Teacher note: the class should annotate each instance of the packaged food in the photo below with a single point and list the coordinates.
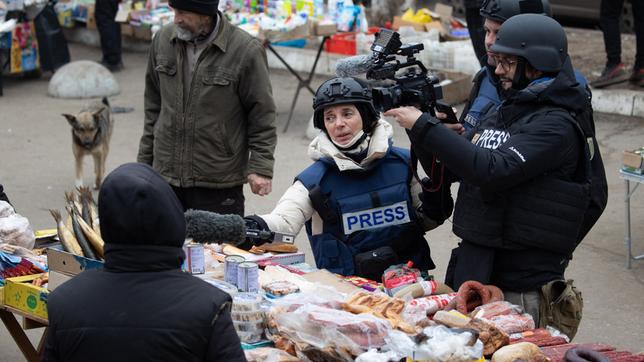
(250, 337)
(254, 316)
(249, 326)
(397, 277)
(246, 302)
(281, 287)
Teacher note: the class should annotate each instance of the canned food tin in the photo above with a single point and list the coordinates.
(248, 277)
(230, 268)
(194, 262)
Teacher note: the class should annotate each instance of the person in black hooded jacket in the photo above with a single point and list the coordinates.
(521, 201)
(3, 196)
(141, 306)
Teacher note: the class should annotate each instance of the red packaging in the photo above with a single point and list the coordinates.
(398, 276)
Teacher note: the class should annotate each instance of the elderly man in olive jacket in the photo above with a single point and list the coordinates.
(209, 110)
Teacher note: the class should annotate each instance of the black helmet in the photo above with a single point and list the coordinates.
(537, 38)
(341, 91)
(502, 10)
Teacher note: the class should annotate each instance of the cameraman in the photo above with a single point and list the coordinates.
(520, 204)
(486, 90)
(362, 208)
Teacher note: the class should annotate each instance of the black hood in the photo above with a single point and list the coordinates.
(562, 91)
(136, 206)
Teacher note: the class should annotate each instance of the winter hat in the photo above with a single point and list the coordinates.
(204, 7)
(137, 206)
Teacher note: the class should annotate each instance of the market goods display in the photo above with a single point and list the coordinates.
(524, 351)
(80, 234)
(15, 228)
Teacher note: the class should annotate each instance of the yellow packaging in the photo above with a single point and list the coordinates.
(19, 293)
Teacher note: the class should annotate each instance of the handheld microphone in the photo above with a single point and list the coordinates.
(205, 226)
(353, 66)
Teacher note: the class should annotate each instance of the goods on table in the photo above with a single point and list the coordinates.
(80, 234)
(492, 337)
(381, 306)
(524, 351)
(14, 228)
(248, 317)
(506, 316)
(281, 288)
(472, 294)
(419, 309)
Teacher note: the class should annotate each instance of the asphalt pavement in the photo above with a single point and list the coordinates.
(37, 168)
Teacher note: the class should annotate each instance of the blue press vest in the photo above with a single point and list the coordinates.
(489, 94)
(370, 208)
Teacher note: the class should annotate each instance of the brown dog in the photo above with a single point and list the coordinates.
(91, 133)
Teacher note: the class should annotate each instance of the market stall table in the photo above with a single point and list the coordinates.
(31, 353)
(637, 179)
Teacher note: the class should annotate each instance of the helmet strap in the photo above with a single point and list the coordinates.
(520, 80)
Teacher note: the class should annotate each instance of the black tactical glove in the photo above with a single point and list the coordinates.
(255, 223)
(437, 205)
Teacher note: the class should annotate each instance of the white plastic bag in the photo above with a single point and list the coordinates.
(15, 230)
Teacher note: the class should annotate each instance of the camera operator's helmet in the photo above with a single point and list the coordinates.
(502, 10)
(537, 38)
(345, 91)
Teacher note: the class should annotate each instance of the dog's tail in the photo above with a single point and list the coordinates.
(105, 102)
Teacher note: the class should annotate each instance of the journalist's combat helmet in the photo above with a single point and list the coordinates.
(502, 10)
(344, 91)
(537, 38)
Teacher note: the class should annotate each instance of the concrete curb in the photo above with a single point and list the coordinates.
(619, 101)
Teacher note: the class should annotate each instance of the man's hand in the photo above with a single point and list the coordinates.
(456, 127)
(405, 116)
(259, 185)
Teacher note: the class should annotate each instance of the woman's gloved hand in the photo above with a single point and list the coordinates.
(255, 223)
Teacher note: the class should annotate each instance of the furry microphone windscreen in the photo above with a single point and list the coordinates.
(205, 226)
(354, 66)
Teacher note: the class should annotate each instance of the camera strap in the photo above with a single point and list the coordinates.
(434, 172)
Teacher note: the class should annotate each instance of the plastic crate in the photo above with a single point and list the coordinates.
(345, 43)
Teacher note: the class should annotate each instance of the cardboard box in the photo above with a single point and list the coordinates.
(324, 29)
(399, 22)
(457, 89)
(64, 266)
(91, 18)
(127, 30)
(445, 12)
(634, 159)
(20, 294)
(142, 32)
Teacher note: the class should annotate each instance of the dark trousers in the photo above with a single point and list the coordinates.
(610, 13)
(477, 34)
(109, 30)
(222, 201)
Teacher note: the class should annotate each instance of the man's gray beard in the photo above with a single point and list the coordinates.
(184, 34)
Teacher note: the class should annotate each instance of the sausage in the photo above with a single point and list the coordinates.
(584, 355)
(470, 295)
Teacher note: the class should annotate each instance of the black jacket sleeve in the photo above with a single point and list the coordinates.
(3, 196)
(542, 145)
(224, 342)
(50, 354)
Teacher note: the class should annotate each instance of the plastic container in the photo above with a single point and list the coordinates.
(256, 326)
(344, 43)
(247, 302)
(254, 316)
(250, 337)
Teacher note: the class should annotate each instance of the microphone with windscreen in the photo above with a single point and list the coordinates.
(210, 227)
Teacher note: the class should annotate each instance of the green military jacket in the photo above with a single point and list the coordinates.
(226, 128)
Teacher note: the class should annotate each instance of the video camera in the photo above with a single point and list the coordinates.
(415, 87)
